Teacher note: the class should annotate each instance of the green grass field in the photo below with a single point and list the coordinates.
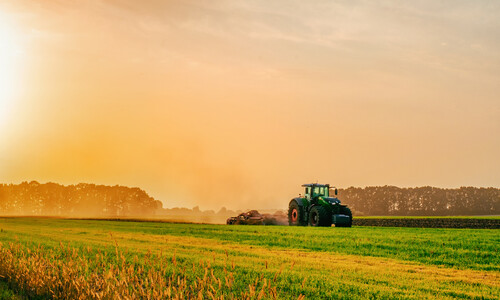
(6, 293)
(219, 261)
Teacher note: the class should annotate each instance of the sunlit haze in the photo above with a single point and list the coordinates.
(238, 103)
(10, 63)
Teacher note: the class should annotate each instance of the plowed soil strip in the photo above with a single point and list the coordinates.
(430, 222)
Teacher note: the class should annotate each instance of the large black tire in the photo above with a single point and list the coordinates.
(296, 214)
(319, 216)
(345, 211)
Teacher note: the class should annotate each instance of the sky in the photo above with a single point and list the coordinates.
(238, 103)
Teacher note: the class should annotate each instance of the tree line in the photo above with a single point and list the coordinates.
(52, 199)
(421, 201)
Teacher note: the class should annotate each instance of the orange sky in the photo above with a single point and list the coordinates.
(237, 103)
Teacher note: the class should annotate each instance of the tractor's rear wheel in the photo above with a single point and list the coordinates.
(346, 211)
(319, 217)
(296, 214)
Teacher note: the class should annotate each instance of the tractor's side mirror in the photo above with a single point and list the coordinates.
(336, 191)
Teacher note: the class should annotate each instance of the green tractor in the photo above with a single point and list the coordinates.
(317, 208)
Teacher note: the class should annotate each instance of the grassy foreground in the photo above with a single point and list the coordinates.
(6, 293)
(104, 259)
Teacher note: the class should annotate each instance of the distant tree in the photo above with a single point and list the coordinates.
(222, 211)
(423, 201)
(83, 199)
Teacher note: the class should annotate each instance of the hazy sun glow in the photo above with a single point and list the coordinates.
(237, 103)
(10, 52)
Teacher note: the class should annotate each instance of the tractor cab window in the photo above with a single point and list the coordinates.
(320, 190)
(316, 190)
(308, 192)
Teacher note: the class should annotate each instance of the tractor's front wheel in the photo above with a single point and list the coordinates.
(295, 214)
(346, 211)
(319, 217)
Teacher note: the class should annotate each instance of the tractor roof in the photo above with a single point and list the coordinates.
(315, 184)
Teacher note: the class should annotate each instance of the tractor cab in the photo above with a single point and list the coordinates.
(315, 190)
